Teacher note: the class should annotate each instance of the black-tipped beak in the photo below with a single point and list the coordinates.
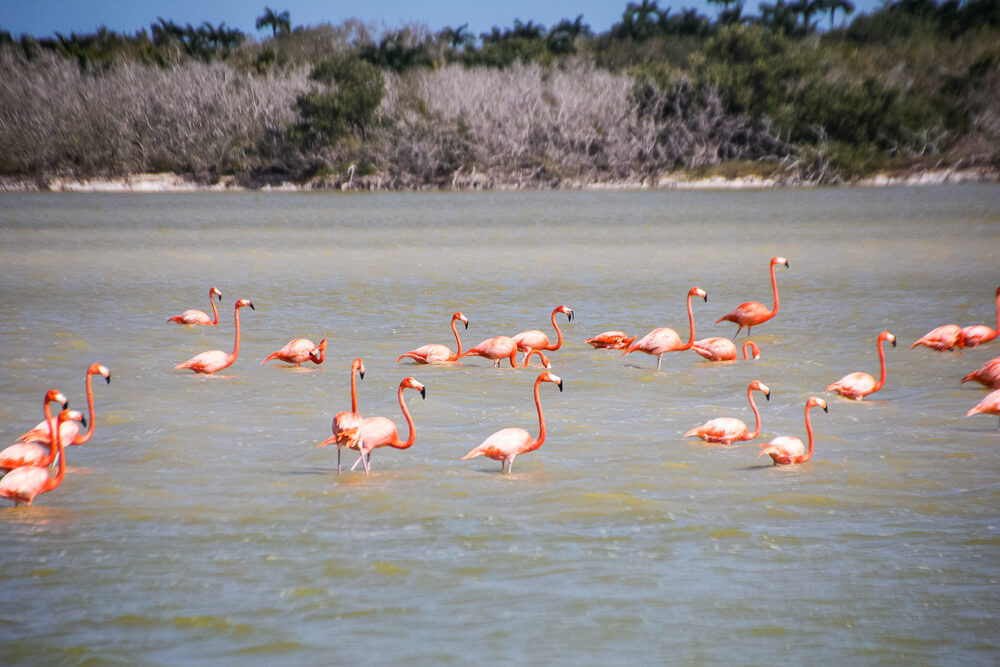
(251, 306)
(706, 298)
(894, 343)
(220, 297)
(65, 404)
(786, 264)
(423, 393)
(560, 385)
(571, 316)
(361, 374)
(824, 409)
(466, 325)
(768, 396)
(83, 420)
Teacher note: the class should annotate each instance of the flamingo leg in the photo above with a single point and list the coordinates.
(659, 359)
(338, 459)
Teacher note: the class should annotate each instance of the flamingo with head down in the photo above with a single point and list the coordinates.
(987, 375)
(376, 432)
(727, 430)
(787, 450)
(663, 340)
(752, 313)
(346, 423)
(944, 337)
(495, 349)
(858, 385)
(30, 453)
(24, 484)
(977, 334)
(533, 339)
(988, 406)
(610, 340)
(298, 351)
(194, 316)
(71, 428)
(723, 349)
(216, 360)
(435, 353)
(507, 444)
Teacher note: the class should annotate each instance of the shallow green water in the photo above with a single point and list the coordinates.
(200, 524)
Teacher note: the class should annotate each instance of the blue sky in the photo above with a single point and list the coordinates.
(44, 17)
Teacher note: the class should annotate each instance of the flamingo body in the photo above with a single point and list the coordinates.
(945, 337)
(376, 432)
(435, 353)
(496, 349)
(213, 361)
(298, 351)
(664, 339)
(789, 450)
(24, 484)
(194, 316)
(71, 434)
(533, 339)
(727, 430)
(751, 313)
(977, 334)
(987, 375)
(988, 406)
(610, 340)
(347, 423)
(858, 385)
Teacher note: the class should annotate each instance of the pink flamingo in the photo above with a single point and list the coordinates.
(31, 453)
(945, 337)
(663, 340)
(215, 360)
(786, 450)
(71, 428)
(987, 375)
(988, 406)
(194, 316)
(378, 432)
(977, 334)
(507, 444)
(610, 340)
(858, 385)
(24, 484)
(36, 454)
(726, 430)
(495, 349)
(751, 313)
(299, 351)
(723, 349)
(533, 339)
(434, 353)
(346, 423)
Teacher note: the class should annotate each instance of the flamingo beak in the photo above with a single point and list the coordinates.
(768, 396)
(706, 298)
(107, 380)
(560, 385)
(894, 342)
(786, 264)
(83, 420)
(251, 306)
(825, 409)
(423, 393)
(466, 325)
(361, 374)
(570, 314)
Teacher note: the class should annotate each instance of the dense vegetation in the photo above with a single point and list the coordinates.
(914, 85)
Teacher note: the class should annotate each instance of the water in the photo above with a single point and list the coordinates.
(201, 525)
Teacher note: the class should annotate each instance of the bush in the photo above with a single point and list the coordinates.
(351, 90)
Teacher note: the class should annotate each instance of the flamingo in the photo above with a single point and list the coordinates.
(977, 334)
(23, 484)
(723, 349)
(751, 313)
(433, 353)
(610, 340)
(987, 375)
(533, 339)
(859, 385)
(376, 432)
(34, 453)
(215, 360)
(785, 449)
(507, 444)
(299, 351)
(945, 337)
(29, 453)
(726, 430)
(663, 340)
(988, 406)
(346, 423)
(495, 349)
(71, 429)
(195, 316)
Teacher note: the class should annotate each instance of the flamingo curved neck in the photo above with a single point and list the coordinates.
(774, 286)
(458, 340)
(690, 342)
(997, 330)
(541, 418)
(47, 461)
(756, 416)
(881, 362)
(809, 431)
(81, 439)
(559, 336)
(236, 343)
(57, 446)
(354, 391)
(215, 311)
(409, 423)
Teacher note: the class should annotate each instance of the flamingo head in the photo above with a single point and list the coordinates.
(245, 302)
(462, 318)
(565, 310)
(56, 395)
(215, 291)
(96, 369)
(547, 376)
(885, 335)
(412, 383)
(316, 354)
(752, 346)
(816, 402)
(761, 387)
(72, 415)
(697, 291)
(779, 260)
(358, 366)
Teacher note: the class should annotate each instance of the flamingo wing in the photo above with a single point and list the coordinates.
(22, 454)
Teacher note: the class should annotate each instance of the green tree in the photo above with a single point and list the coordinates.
(351, 90)
(280, 24)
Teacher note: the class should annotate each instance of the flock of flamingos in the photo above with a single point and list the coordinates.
(27, 462)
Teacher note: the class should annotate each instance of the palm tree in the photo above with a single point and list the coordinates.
(458, 37)
(279, 23)
(833, 5)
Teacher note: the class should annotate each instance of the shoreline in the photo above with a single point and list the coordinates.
(172, 182)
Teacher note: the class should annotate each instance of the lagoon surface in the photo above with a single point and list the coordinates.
(201, 524)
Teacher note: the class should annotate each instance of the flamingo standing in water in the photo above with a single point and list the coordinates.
(858, 385)
(533, 339)
(727, 430)
(299, 351)
(376, 432)
(215, 360)
(346, 423)
(751, 313)
(507, 444)
(988, 406)
(610, 340)
(663, 340)
(195, 316)
(71, 428)
(434, 353)
(24, 484)
(786, 450)
(496, 349)
(36, 454)
(723, 349)
(977, 334)
(31, 453)
(987, 375)
(945, 337)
